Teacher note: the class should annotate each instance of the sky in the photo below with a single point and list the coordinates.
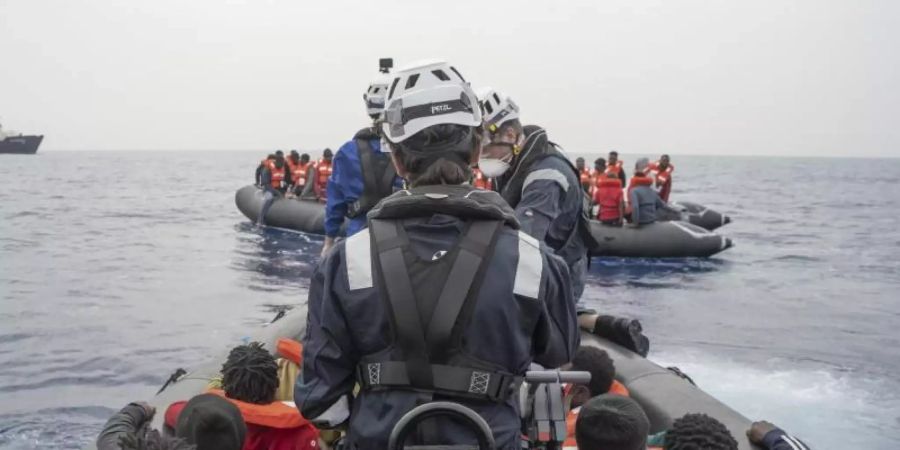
(748, 77)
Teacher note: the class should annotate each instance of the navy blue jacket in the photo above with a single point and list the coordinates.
(524, 313)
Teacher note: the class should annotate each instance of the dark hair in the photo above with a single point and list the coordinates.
(611, 422)
(579, 159)
(250, 374)
(614, 153)
(327, 153)
(152, 440)
(514, 124)
(600, 162)
(601, 368)
(439, 154)
(304, 157)
(279, 153)
(693, 431)
(271, 156)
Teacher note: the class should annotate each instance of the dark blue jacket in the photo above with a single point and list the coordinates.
(345, 187)
(524, 313)
(546, 193)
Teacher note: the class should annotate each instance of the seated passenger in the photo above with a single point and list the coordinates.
(612, 422)
(249, 381)
(274, 184)
(584, 174)
(702, 431)
(608, 197)
(596, 362)
(210, 423)
(643, 200)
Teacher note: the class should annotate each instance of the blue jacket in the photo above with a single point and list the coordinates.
(346, 186)
(524, 313)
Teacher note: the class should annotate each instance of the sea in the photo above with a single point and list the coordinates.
(116, 268)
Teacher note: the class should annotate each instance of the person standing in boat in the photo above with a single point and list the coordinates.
(362, 172)
(299, 167)
(608, 196)
(543, 187)
(416, 307)
(662, 175)
(584, 174)
(615, 167)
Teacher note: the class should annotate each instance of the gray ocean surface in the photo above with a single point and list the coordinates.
(116, 268)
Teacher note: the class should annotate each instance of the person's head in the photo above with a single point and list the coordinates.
(153, 440)
(375, 95)
(613, 157)
(304, 158)
(271, 157)
(611, 422)
(600, 165)
(279, 154)
(327, 154)
(596, 362)
(431, 124)
(579, 163)
(250, 374)
(211, 422)
(295, 156)
(503, 134)
(699, 431)
(641, 165)
(664, 161)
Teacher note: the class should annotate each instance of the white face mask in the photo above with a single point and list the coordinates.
(492, 167)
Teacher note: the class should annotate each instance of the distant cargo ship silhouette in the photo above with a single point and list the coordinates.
(19, 144)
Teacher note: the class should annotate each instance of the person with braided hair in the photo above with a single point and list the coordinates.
(250, 381)
(693, 431)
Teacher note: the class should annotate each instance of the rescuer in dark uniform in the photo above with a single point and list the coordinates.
(441, 297)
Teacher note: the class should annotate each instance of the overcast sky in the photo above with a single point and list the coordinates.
(711, 77)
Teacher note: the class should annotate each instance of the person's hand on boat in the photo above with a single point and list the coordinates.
(623, 331)
(329, 242)
(759, 430)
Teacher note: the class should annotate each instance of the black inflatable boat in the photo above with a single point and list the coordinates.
(672, 239)
(664, 395)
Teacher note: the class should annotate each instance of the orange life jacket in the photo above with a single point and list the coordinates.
(615, 169)
(290, 350)
(323, 173)
(572, 417)
(298, 172)
(607, 195)
(663, 179)
(585, 176)
(273, 415)
(480, 181)
(277, 175)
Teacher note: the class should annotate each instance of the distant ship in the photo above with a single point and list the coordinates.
(20, 144)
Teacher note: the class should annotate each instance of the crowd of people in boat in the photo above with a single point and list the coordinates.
(440, 290)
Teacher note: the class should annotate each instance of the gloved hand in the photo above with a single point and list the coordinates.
(623, 331)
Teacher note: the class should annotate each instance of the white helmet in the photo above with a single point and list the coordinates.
(497, 108)
(428, 93)
(375, 95)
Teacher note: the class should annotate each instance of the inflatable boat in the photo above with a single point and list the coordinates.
(664, 395)
(696, 214)
(672, 239)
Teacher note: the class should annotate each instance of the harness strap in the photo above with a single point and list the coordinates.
(374, 188)
(453, 380)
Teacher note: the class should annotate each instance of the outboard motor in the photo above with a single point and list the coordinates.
(409, 422)
(544, 410)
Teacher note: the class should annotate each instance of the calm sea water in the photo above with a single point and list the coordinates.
(118, 267)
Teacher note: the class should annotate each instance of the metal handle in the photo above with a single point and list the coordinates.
(410, 420)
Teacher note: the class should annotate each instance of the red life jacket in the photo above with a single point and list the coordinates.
(663, 179)
(608, 194)
(277, 175)
(637, 180)
(290, 350)
(479, 181)
(276, 426)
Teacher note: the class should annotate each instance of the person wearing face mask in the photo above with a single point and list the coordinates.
(541, 184)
